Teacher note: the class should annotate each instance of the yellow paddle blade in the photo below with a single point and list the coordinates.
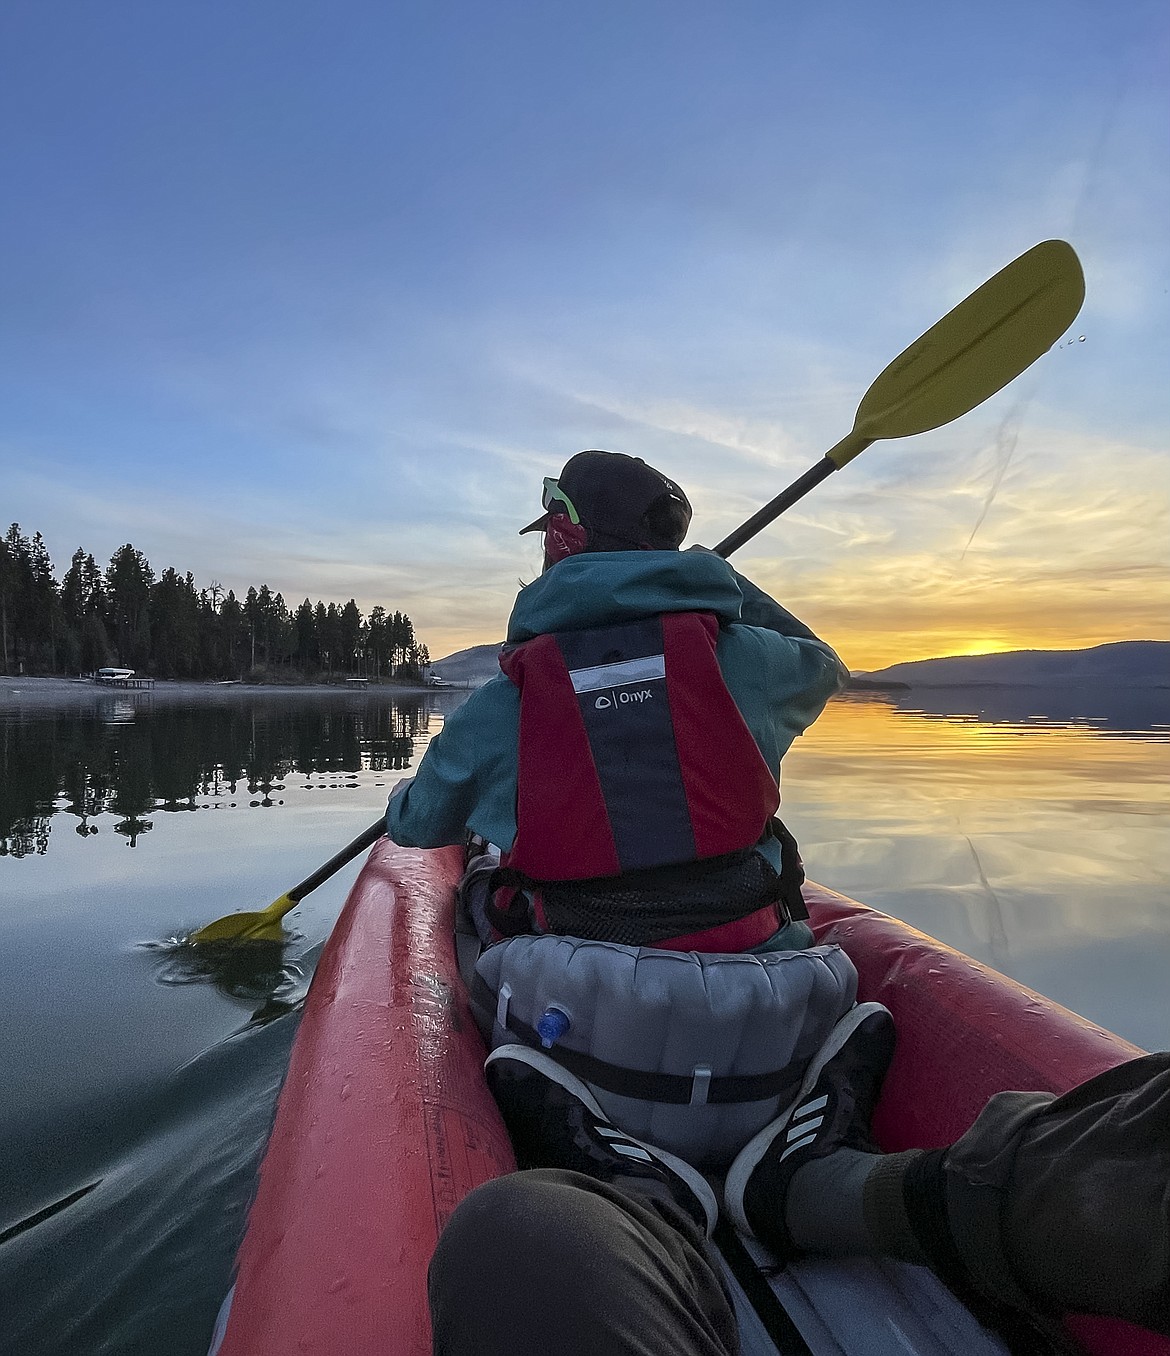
(974, 350)
(264, 925)
(261, 925)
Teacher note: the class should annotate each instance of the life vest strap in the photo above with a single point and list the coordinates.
(738, 898)
(730, 903)
(792, 875)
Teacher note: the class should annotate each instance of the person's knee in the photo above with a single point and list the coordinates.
(516, 1227)
(507, 1235)
(502, 1219)
(550, 1260)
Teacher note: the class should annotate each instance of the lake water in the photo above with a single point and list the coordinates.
(1030, 832)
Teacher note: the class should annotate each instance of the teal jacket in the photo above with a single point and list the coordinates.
(778, 673)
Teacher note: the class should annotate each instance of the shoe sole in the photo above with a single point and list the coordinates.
(549, 1068)
(749, 1156)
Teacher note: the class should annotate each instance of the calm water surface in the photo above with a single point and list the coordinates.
(138, 1090)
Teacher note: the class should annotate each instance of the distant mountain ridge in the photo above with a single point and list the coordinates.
(1122, 663)
(474, 666)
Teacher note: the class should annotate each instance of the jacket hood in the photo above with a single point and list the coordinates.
(606, 587)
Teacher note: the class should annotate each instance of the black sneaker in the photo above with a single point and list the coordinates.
(554, 1121)
(832, 1111)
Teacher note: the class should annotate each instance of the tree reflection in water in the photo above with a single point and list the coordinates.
(173, 758)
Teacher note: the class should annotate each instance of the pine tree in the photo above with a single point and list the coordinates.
(376, 638)
(12, 552)
(234, 631)
(252, 617)
(44, 606)
(349, 627)
(129, 580)
(174, 629)
(83, 611)
(306, 648)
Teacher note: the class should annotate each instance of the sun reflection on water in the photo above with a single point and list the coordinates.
(1037, 845)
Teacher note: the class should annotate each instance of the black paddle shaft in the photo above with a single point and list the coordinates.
(343, 858)
(775, 507)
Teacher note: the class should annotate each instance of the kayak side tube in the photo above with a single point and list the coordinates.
(965, 1031)
(384, 1124)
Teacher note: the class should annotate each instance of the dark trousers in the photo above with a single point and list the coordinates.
(1063, 1203)
(553, 1261)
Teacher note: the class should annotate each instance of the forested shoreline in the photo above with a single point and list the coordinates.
(166, 627)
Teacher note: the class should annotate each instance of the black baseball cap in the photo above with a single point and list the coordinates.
(622, 502)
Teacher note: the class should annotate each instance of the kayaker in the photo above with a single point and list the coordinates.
(647, 698)
(602, 1244)
(626, 761)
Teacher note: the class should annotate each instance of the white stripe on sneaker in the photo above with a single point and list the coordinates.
(804, 1127)
(809, 1107)
(628, 1147)
(792, 1148)
(632, 1151)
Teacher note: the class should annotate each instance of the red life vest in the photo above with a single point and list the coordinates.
(633, 755)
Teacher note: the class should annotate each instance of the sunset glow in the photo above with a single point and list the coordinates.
(323, 313)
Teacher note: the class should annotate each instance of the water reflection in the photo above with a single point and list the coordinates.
(120, 1221)
(133, 760)
(139, 1074)
(1032, 839)
(1139, 712)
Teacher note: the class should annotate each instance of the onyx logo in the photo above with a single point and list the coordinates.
(623, 699)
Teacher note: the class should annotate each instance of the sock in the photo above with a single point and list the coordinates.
(823, 1209)
(925, 1205)
(849, 1204)
(885, 1207)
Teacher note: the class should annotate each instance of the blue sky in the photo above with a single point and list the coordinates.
(315, 294)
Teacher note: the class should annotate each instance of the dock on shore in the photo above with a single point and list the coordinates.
(126, 682)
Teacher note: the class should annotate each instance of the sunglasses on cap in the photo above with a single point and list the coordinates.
(555, 498)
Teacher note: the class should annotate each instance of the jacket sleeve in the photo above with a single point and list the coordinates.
(760, 610)
(467, 776)
(800, 671)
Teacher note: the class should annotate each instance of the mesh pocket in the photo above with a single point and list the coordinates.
(642, 907)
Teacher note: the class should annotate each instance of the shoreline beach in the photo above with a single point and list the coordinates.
(65, 692)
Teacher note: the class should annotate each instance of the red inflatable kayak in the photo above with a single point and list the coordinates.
(385, 1124)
